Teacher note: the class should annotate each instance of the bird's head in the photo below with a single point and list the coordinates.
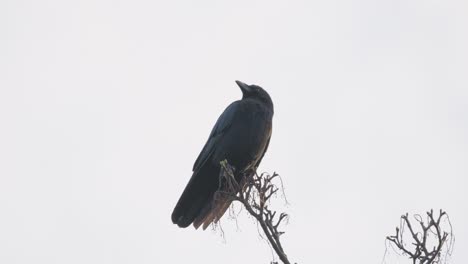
(255, 92)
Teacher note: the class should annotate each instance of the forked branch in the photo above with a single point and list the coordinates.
(427, 238)
(255, 192)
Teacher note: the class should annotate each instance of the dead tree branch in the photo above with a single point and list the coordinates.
(427, 238)
(254, 193)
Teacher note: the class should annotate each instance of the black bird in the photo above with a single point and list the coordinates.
(241, 136)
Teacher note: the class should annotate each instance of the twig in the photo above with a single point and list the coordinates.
(254, 192)
(421, 252)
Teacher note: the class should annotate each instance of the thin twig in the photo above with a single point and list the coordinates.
(420, 252)
(254, 193)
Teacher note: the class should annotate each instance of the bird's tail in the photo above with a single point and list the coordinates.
(217, 206)
(197, 195)
(213, 211)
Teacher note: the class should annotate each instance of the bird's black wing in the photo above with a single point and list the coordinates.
(202, 185)
(222, 125)
(264, 151)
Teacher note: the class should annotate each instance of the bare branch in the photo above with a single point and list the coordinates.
(430, 230)
(254, 193)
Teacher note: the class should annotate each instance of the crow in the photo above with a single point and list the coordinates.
(241, 136)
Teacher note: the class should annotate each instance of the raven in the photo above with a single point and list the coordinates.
(241, 136)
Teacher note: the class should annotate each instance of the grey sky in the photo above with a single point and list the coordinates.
(105, 105)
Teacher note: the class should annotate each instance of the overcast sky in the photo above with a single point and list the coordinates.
(105, 105)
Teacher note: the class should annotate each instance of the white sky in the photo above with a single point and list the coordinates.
(105, 105)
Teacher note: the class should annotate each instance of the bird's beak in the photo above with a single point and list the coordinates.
(244, 87)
